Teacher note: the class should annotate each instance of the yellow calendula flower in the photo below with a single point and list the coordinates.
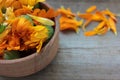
(30, 2)
(38, 37)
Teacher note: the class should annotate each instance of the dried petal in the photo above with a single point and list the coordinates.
(109, 13)
(66, 12)
(101, 25)
(112, 25)
(30, 2)
(91, 9)
(86, 24)
(90, 33)
(72, 24)
(102, 31)
(85, 16)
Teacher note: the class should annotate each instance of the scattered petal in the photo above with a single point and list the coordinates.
(91, 9)
(90, 33)
(106, 18)
(112, 25)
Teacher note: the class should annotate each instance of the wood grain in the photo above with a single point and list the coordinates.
(80, 57)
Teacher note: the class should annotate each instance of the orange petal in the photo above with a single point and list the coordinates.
(16, 5)
(90, 33)
(99, 26)
(91, 9)
(66, 12)
(103, 17)
(3, 46)
(43, 13)
(72, 24)
(68, 26)
(109, 13)
(13, 43)
(86, 24)
(96, 17)
(36, 12)
(102, 31)
(85, 16)
(112, 25)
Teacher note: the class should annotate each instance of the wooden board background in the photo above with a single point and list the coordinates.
(80, 57)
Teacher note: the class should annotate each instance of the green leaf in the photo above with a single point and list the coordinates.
(9, 55)
(50, 31)
(28, 18)
(50, 34)
(2, 28)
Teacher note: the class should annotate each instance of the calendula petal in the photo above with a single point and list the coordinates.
(109, 13)
(91, 9)
(39, 46)
(85, 15)
(40, 0)
(90, 33)
(102, 31)
(66, 12)
(70, 24)
(99, 26)
(86, 24)
(112, 26)
(30, 2)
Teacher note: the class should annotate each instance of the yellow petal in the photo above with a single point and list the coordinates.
(39, 46)
(91, 9)
(30, 2)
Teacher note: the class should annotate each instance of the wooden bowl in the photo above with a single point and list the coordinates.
(34, 62)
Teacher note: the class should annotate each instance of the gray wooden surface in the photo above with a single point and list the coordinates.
(80, 57)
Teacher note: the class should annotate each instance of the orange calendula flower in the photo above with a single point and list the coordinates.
(24, 26)
(30, 37)
(14, 37)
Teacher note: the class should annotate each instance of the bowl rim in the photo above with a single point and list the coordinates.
(29, 57)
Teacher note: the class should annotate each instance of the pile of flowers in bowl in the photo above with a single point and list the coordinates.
(25, 27)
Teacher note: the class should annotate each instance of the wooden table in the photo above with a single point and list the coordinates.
(80, 57)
